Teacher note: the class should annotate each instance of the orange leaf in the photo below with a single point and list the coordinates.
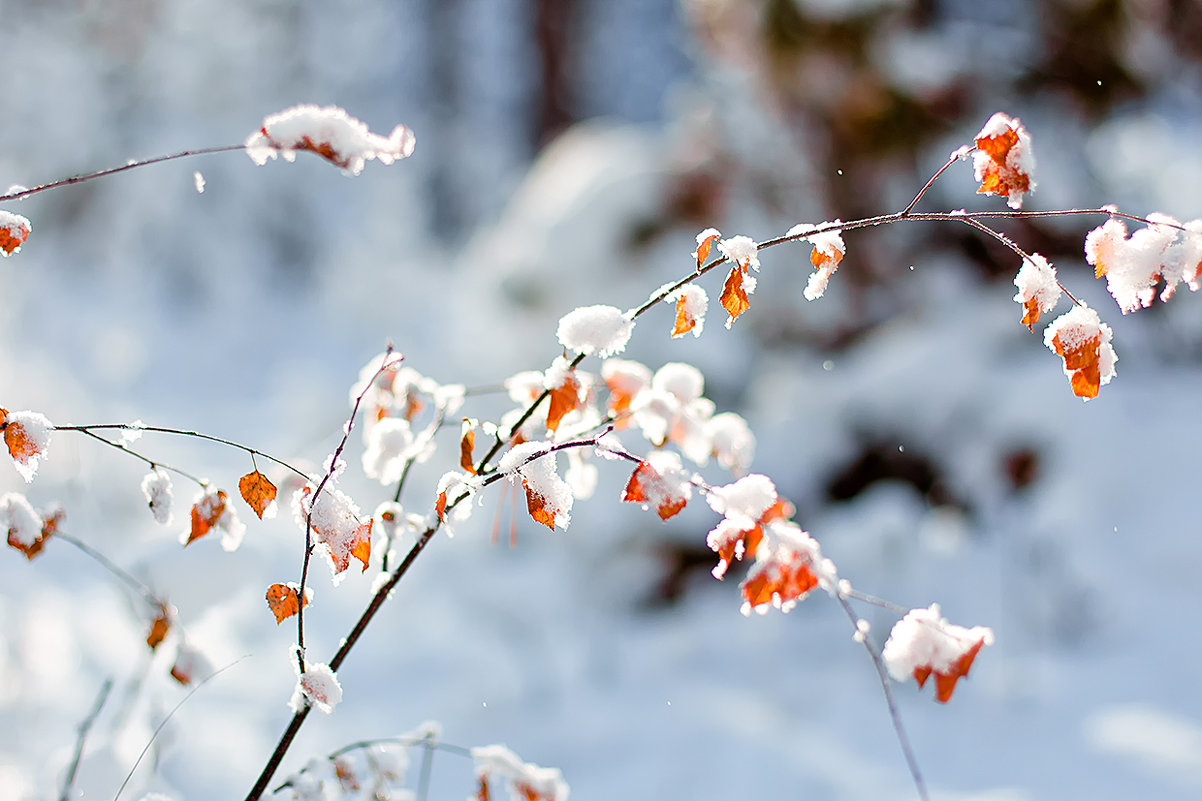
(257, 490)
(440, 506)
(205, 514)
(703, 248)
(50, 525)
(482, 793)
(564, 398)
(1004, 158)
(1083, 361)
(1030, 312)
(466, 443)
(786, 580)
(646, 485)
(945, 681)
(537, 507)
(14, 230)
(685, 322)
(20, 446)
(358, 545)
(283, 601)
(734, 298)
(159, 628)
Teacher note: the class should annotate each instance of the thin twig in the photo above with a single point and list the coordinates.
(118, 571)
(171, 714)
(902, 739)
(91, 430)
(84, 728)
(385, 364)
(132, 165)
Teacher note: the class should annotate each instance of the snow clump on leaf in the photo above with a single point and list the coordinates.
(330, 133)
(156, 486)
(27, 435)
(603, 330)
(923, 642)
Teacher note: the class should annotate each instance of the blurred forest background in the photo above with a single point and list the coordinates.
(567, 153)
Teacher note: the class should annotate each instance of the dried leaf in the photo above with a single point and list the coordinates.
(50, 525)
(945, 681)
(258, 491)
(283, 601)
(14, 230)
(466, 444)
(685, 322)
(734, 298)
(564, 399)
(786, 580)
(206, 513)
(536, 505)
(704, 244)
(646, 485)
(159, 628)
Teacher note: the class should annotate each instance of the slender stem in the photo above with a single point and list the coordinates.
(423, 779)
(170, 715)
(902, 739)
(952, 159)
(138, 586)
(385, 364)
(84, 728)
(132, 165)
(407, 742)
(91, 430)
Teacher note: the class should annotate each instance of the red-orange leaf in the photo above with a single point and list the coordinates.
(258, 491)
(14, 230)
(205, 514)
(734, 298)
(786, 580)
(159, 628)
(537, 507)
(646, 485)
(440, 506)
(945, 681)
(564, 398)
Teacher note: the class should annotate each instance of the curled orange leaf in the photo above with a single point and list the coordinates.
(734, 296)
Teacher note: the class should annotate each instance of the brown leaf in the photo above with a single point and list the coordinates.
(257, 490)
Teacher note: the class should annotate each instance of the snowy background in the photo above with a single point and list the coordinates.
(567, 153)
